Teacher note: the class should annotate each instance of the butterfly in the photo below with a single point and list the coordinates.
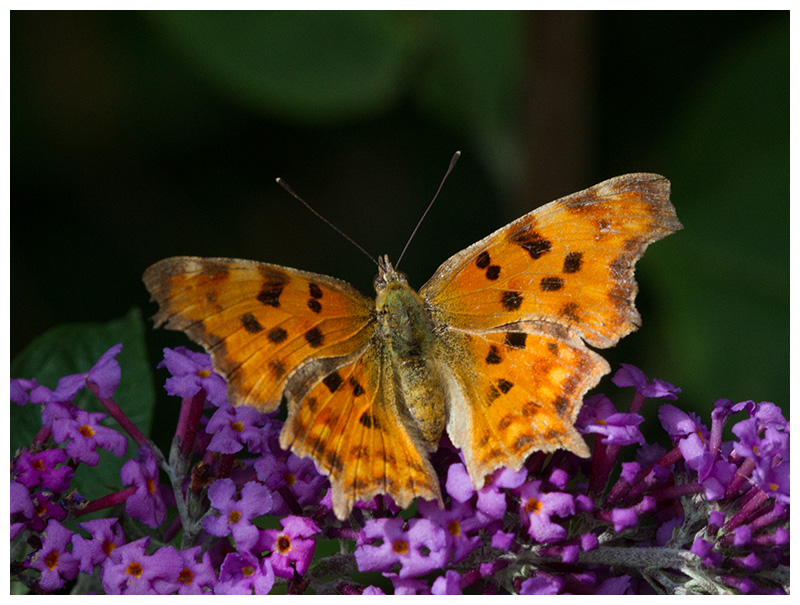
(492, 349)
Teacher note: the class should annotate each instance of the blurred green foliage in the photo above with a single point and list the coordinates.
(136, 136)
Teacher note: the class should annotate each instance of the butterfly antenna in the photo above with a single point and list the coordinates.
(283, 184)
(453, 161)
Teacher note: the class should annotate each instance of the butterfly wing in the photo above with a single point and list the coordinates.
(259, 322)
(275, 333)
(349, 421)
(517, 307)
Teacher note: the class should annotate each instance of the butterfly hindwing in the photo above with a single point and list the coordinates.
(347, 419)
(259, 322)
(520, 393)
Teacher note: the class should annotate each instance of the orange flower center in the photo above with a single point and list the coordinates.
(290, 479)
(135, 570)
(86, 431)
(108, 547)
(248, 571)
(454, 527)
(186, 576)
(400, 547)
(533, 506)
(51, 560)
(151, 486)
(38, 464)
(204, 373)
(237, 426)
(234, 516)
(284, 544)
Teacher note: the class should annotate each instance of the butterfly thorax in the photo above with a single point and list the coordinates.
(406, 331)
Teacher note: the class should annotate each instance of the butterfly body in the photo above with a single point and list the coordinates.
(492, 349)
(406, 329)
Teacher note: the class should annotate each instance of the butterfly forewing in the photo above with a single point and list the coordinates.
(569, 262)
(260, 322)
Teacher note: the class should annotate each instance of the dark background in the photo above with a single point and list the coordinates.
(137, 136)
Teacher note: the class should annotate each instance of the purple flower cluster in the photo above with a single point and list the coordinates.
(238, 515)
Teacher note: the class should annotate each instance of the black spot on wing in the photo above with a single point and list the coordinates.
(516, 340)
(532, 242)
(314, 305)
(511, 300)
(483, 260)
(314, 290)
(314, 337)
(251, 324)
(573, 262)
(277, 335)
(494, 356)
(333, 381)
(552, 283)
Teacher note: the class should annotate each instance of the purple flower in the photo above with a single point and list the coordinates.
(292, 549)
(192, 371)
(447, 584)
(620, 585)
(233, 427)
(242, 573)
(372, 590)
(680, 424)
(627, 518)
(419, 550)
(106, 535)
(20, 390)
(774, 480)
(84, 434)
(503, 540)
(598, 415)
(491, 504)
(541, 584)
(703, 549)
(297, 474)
(456, 523)
(631, 376)
(21, 507)
(770, 415)
(55, 563)
(21, 500)
(43, 468)
(106, 374)
(194, 577)
(407, 586)
(44, 509)
(146, 504)
(236, 513)
(130, 571)
(537, 507)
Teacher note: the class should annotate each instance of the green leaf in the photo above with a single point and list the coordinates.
(310, 66)
(75, 348)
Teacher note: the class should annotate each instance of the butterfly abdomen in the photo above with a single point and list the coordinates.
(406, 329)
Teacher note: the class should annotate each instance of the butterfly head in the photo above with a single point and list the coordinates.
(387, 274)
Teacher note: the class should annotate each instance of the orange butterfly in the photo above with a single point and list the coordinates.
(492, 348)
